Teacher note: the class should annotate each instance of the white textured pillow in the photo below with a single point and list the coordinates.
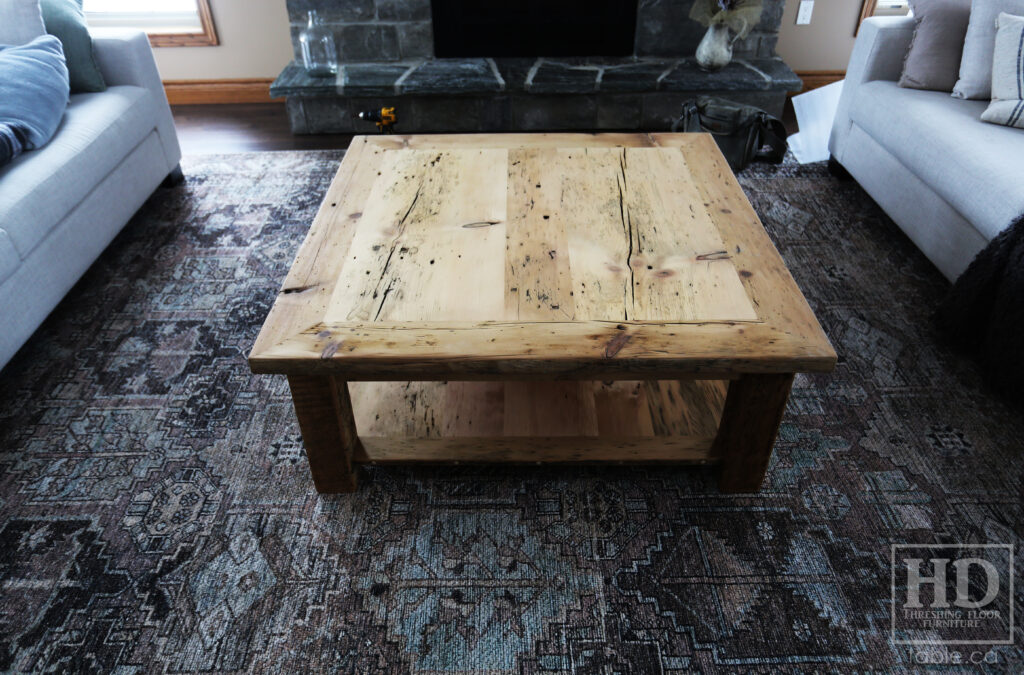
(1007, 105)
(20, 22)
(976, 63)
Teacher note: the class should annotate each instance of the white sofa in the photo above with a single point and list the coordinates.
(950, 181)
(62, 204)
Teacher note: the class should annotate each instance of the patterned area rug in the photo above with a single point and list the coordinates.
(157, 515)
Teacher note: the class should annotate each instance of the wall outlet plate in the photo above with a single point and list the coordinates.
(803, 15)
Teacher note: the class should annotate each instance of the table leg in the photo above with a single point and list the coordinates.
(750, 421)
(324, 409)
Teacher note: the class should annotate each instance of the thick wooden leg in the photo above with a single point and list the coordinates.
(746, 435)
(324, 410)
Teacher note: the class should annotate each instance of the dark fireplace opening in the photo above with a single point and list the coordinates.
(467, 28)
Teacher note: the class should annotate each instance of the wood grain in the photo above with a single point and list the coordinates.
(565, 350)
(536, 450)
(750, 422)
(245, 90)
(543, 408)
(540, 297)
(430, 241)
(206, 37)
(592, 229)
(328, 429)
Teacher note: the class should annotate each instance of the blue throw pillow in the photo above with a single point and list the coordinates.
(33, 95)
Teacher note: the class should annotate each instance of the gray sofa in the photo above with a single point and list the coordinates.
(62, 204)
(950, 181)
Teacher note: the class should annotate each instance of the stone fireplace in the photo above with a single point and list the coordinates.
(522, 65)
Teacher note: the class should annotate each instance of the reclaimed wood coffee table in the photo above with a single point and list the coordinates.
(539, 298)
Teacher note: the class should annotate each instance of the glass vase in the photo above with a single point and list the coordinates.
(319, 55)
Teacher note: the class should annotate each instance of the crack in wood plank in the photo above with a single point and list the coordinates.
(400, 229)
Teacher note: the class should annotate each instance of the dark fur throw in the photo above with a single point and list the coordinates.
(983, 315)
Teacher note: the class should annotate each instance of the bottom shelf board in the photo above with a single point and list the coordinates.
(536, 450)
(562, 408)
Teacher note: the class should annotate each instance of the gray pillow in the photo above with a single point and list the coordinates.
(33, 94)
(20, 22)
(933, 59)
(1007, 105)
(976, 64)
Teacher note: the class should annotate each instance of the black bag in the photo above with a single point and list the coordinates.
(741, 131)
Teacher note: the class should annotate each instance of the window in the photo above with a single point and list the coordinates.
(169, 23)
(882, 8)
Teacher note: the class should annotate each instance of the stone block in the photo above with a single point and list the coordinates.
(295, 81)
(781, 77)
(746, 47)
(452, 76)
(768, 44)
(403, 10)
(514, 71)
(296, 115)
(344, 11)
(371, 79)
(619, 112)
(457, 115)
(661, 109)
(771, 16)
(327, 115)
(688, 76)
(664, 28)
(642, 76)
(367, 42)
(416, 39)
(554, 113)
(553, 77)
(357, 104)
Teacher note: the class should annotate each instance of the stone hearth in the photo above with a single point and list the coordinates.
(386, 53)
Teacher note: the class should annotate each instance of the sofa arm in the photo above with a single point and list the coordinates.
(878, 54)
(125, 58)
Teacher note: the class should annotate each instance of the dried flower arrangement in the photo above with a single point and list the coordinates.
(739, 15)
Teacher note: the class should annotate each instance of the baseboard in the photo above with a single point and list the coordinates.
(252, 90)
(819, 78)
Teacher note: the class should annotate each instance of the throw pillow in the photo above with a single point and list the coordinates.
(976, 65)
(66, 20)
(933, 59)
(1007, 105)
(33, 95)
(20, 22)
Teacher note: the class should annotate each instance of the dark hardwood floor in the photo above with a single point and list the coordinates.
(253, 127)
(244, 127)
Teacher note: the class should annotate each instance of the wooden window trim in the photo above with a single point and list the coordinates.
(866, 10)
(207, 38)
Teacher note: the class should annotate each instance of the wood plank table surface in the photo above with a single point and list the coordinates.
(539, 298)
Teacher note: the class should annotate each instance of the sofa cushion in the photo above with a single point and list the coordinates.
(1008, 74)
(40, 187)
(933, 60)
(976, 64)
(974, 166)
(9, 258)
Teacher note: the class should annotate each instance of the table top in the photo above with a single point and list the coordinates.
(538, 256)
